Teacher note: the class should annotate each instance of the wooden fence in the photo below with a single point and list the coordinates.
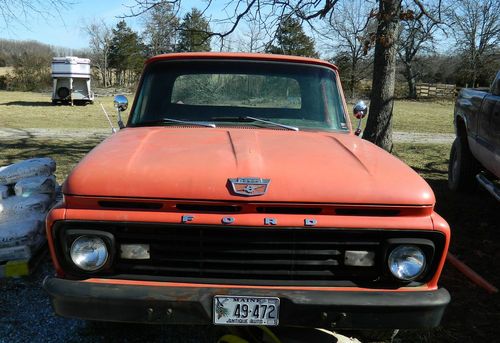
(435, 90)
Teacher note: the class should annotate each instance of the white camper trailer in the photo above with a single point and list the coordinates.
(71, 80)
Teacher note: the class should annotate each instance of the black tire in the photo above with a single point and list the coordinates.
(63, 92)
(462, 167)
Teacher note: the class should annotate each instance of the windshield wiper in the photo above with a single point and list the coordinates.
(170, 120)
(250, 119)
(293, 128)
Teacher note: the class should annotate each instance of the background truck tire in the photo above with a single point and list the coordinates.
(462, 167)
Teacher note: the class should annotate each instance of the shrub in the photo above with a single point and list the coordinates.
(31, 72)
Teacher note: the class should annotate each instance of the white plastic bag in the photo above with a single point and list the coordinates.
(35, 185)
(21, 252)
(10, 174)
(20, 207)
(20, 232)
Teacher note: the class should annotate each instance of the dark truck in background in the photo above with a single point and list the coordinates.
(475, 153)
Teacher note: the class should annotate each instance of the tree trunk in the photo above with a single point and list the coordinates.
(353, 77)
(379, 126)
(105, 70)
(411, 80)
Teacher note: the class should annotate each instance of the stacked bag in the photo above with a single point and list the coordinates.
(27, 192)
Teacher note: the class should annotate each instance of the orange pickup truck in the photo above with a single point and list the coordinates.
(238, 194)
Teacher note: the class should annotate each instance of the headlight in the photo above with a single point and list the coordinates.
(406, 262)
(89, 253)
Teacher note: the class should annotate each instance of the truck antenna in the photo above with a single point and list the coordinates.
(107, 117)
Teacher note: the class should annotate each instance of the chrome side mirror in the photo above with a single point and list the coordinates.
(360, 111)
(121, 104)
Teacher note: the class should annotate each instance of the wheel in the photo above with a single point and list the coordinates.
(63, 92)
(462, 167)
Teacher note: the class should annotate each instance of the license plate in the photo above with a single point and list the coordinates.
(246, 310)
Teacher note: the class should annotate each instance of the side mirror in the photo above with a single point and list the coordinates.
(121, 104)
(360, 111)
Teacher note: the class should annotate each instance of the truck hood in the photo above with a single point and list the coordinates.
(196, 163)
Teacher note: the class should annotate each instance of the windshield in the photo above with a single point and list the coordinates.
(236, 92)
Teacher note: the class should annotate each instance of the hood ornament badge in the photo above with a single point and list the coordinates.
(249, 186)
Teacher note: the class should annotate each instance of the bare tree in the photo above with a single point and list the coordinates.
(160, 29)
(379, 125)
(254, 37)
(100, 40)
(476, 26)
(349, 30)
(20, 11)
(416, 37)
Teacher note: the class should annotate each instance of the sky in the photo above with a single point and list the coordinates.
(65, 29)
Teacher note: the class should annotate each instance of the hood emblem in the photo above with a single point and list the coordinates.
(249, 186)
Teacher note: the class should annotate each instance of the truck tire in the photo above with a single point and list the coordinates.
(462, 167)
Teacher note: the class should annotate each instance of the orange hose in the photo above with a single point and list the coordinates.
(471, 274)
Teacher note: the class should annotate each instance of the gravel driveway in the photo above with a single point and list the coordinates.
(26, 316)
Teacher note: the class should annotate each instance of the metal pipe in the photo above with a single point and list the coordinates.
(471, 274)
(488, 185)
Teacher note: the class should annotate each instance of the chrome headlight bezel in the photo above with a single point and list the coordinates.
(407, 262)
(96, 249)
(68, 238)
(427, 249)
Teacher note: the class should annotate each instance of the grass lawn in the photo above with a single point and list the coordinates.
(23, 110)
(423, 116)
(67, 153)
(419, 116)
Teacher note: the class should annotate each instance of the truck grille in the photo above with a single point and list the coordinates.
(247, 253)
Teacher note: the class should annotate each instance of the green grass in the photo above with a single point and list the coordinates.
(67, 153)
(423, 116)
(429, 160)
(21, 110)
(419, 116)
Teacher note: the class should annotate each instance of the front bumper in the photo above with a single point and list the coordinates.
(193, 305)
